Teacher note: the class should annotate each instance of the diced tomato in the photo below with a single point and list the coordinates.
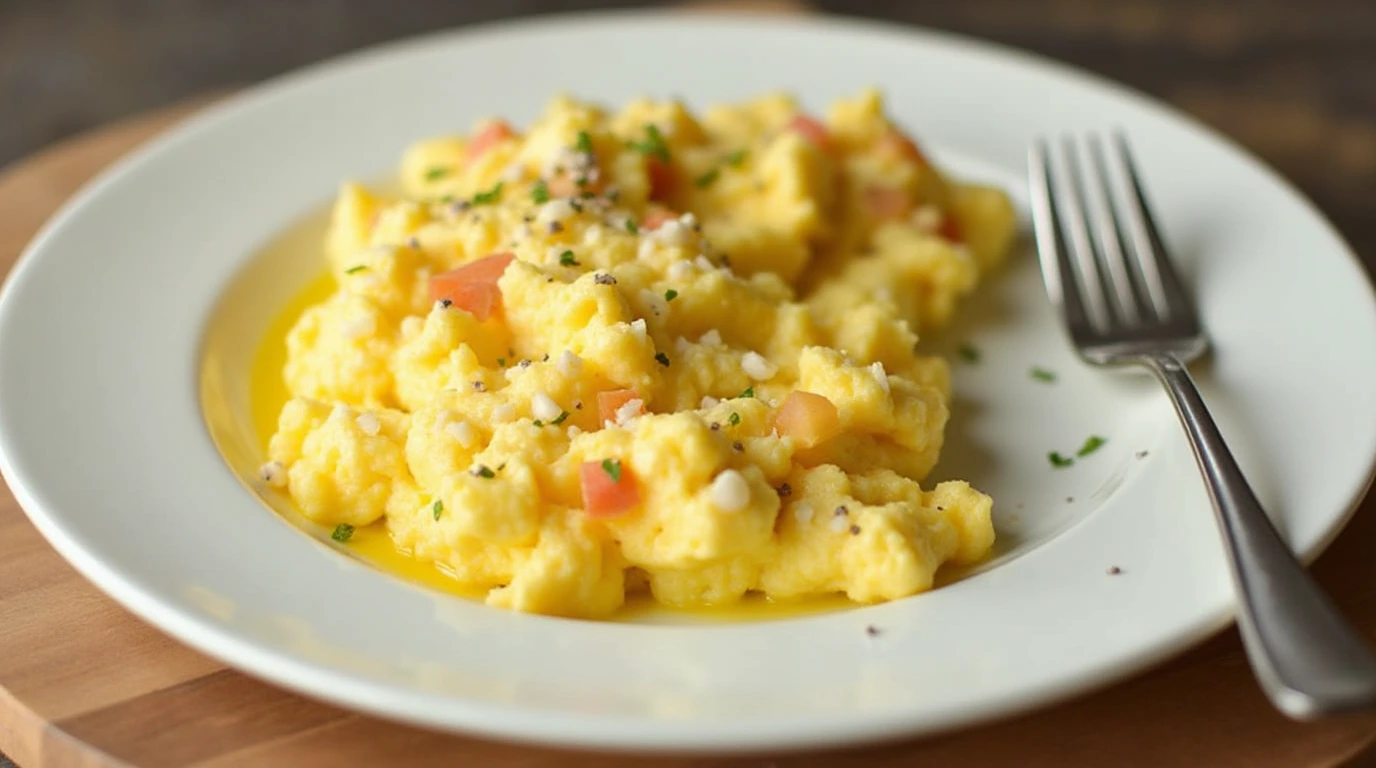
(810, 419)
(663, 178)
(473, 287)
(608, 403)
(655, 217)
(814, 131)
(562, 186)
(490, 136)
(950, 228)
(885, 203)
(897, 144)
(605, 496)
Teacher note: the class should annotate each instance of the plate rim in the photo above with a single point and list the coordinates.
(188, 630)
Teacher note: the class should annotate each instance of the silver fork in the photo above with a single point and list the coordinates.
(1105, 266)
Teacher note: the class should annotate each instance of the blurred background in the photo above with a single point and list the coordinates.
(1293, 80)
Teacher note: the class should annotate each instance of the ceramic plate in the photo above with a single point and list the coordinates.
(127, 330)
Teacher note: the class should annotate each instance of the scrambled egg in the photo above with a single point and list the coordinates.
(614, 410)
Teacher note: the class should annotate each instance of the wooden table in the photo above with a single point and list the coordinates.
(84, 683)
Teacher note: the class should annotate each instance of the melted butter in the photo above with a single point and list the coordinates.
(374, 545)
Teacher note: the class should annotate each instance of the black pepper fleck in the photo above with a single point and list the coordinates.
(527, 218)
(1114, 570)
(940, 508)
(785, 490)
(555, 227)
(446, 303)
(715, 426)
(524, 363)
(545, 359)
(872, 631)
(738, 445)
(1070, 499)
(603, 278)
(414, 243)
(841, 511)
(577, 405)
(855, 530)
(1141, 454)
(479, 386)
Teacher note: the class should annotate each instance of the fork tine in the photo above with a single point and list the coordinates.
(1067, 194)
(1107, 233)
(1057, 271)
(1163, 285)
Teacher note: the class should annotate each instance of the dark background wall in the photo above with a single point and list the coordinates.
(1294, 80)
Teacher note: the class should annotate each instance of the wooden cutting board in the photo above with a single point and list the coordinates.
(84, 683)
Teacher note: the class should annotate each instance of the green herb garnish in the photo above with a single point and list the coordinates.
(631, 226)
(501, 362)
(482, 470)
(540, 192)
(342, 532)
(566, 259)
(662, 359)
(437, 508)
(670, 295)
(491, 196)
(584, 143)
(354, 269)
(706, 179)
(653, 143)
(613, 469)
(749, 392)
(1092, 444)
(968, 353)
(1058, 461)
(736, 158)
(560, 418)
(436, 173)
(733, 419)
(1042, 374)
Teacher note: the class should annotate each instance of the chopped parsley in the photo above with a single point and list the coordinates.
(358, 268)
(560, 418)
(631, 226)
(436, 173)
(540, 192)
(613, 469)
(706, 179)
(1058, 461)
(342, 532)
(584, 143)
(968, 353)
(501, 362)
(491, 196)
(662, 359)
(653, 144)
(482, 470)
(567, 259)
(437, 508)
(749, 392)
(1091, 445)
(736, 158)
(670, 295)
(733, 419)
(1042, 374)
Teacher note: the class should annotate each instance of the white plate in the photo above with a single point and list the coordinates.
(104, 324)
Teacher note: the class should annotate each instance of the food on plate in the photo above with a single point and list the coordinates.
(646, 350)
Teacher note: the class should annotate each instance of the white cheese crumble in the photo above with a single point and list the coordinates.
(503, 413)
(574, 431)
(802, 512)
(359, 326)
(757, 367)
(710, 339)
(592, 235)
(703, 263)
(462, 432)
(688, 220)
(340, 412)
(670, 233)
(569, 364)
(646, 250)
(653, 301)
(682, 346)
(274, 473)
(681, 270)
(369, 423)
(638, 326)
(708, 402)
(730, 492)
(412, 325)
(555, 210)
(839, 523)
(513, 172)
(627, 412)
(877, 368)
(544, 408)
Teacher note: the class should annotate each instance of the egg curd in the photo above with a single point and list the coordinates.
(646, 351)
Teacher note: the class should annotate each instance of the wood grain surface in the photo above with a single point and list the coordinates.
(84, 683)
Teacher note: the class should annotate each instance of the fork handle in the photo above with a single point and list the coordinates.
(1309, 660)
